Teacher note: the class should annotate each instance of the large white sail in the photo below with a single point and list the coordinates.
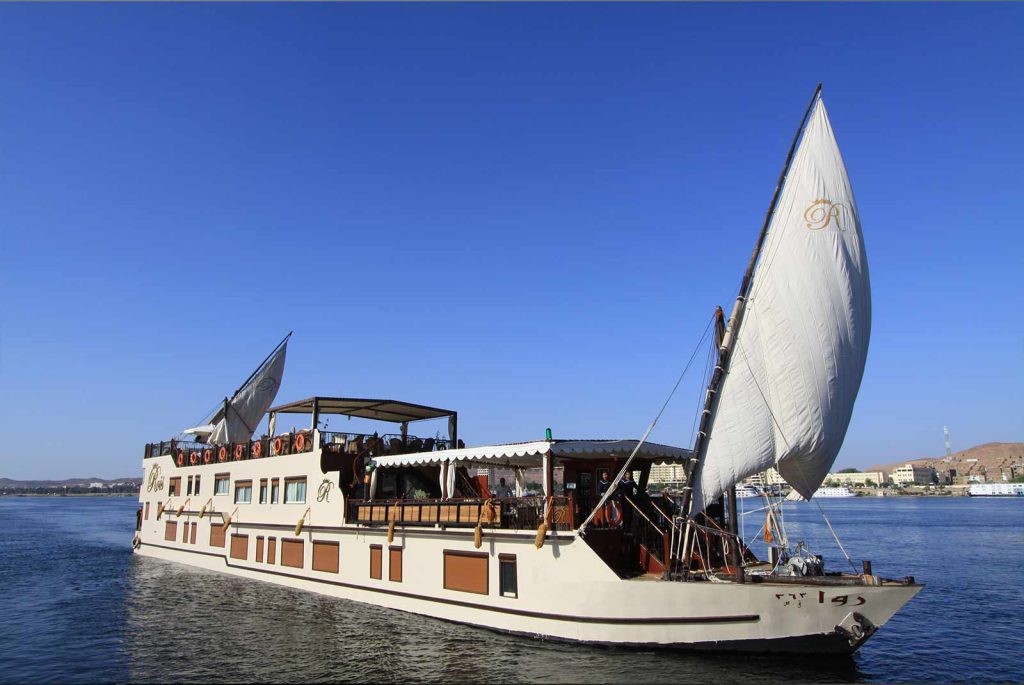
(249, 405)
(799, 356)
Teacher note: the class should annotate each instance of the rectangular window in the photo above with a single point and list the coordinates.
(159, 510)
(395, 564)
(263, 491)
(189, 490)
(271, 550)
(292, 553)
(294, 490)
(220, 484)
(466, 572)
(195, 488)
(195, 527)
(259, 548)
(243, 491)
(508, 584)
(174, 489)
(325, 556)
(171, 531)
(376, 561)
(216, 535)
(239, 546)
(184, 533)
(275, 491)
(147, 512)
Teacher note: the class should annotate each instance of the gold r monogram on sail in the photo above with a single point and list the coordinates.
(820, 213)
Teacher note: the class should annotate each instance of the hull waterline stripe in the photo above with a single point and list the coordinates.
(682, 620)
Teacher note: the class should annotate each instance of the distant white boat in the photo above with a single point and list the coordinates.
(747, 491)
(841, 491)
(996, 490)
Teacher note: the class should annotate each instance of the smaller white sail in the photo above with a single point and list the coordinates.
(249, 405)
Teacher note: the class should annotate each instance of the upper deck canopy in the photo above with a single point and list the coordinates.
(531, 453)
(380, 410)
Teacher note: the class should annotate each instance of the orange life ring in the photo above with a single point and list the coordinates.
(239, 451)
(181, 458)
(207, 455)
(193, 458)
(300, 442)
(257, 449)
(278, 444)
(222, 453)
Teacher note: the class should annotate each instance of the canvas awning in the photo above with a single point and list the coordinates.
(527, 454)
(379, 410)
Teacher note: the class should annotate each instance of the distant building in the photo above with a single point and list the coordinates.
(667, 474)
(909, 474)
(765, 478)
(859, 478)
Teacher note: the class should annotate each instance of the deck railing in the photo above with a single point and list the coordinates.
(509, 513)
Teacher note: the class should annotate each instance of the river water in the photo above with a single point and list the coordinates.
(79, 607)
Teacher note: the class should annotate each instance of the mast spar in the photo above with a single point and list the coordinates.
(731, 332)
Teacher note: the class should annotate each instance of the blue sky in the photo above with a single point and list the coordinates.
(525, 212)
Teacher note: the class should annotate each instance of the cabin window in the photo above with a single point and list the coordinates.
(188, 490)
(147, 512)
(325, 556)
(275, 491)
(171, 531)
(395, 564)
(216, 535)
(259, 548)
(507, 581)
(174, 489)
(243, 491)
(239, 546)
(271, 550)
(192, 537)
(466, 572)
(292, 553)
(220, 484)
(263, 491)
(376, 561)
(294, 490)
(195, 487)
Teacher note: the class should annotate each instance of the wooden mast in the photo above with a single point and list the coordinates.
(725, 348)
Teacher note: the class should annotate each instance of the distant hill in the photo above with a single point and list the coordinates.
(10, 484)
(990, 458)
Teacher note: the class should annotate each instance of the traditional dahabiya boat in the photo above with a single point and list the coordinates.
(418, 524)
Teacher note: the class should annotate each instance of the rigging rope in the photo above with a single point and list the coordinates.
(608, 493)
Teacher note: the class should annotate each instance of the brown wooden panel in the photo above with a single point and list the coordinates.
(428, 513)
(184, 533)
(239, 546)
(171, 531)
(216, 535)
(469, 513)
(465, 571)
(259, 548)
(192, 536)
(449, 513)
(378, 512)
(325, 556)
(272, 550)
(376, 561)
(395, 564)
(291, 553)
(175, 487)
(364, 512)
(411, 513)
(146, 516)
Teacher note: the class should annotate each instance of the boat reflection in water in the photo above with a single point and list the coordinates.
(185, 624)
